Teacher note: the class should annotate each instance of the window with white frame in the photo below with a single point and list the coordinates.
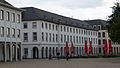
(70, 38)
(1, 14)
(46, 37)
(34, 24)
(18, 18)
(49, 37)
(18, 31)
(42, 36)
(42, 25)
(64, 38)
(53, 26)
(25, 25)
(13, 32)
(7, 16)
(53, 38)
(67, 29)
(56, 27)
(13, 17)
(67, 38)
(46, 25)
(61, 28)
(8, 32)
(61, 38)
(2, 31)
(35, 36)
(25, 37)
(74, 39)
(49, 26)
(56, 38)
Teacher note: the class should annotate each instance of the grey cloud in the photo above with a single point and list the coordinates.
(72, 3)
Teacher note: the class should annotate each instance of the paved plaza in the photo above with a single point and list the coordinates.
(62, 63)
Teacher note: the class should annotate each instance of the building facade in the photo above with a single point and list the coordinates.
(10, 29)
(46, 33)
(103, 35)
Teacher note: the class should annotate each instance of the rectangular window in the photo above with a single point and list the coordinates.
(7, 16)
(34, 36)
(18, 18)
(42, 36)
(46, 25)
(53, 27)
(50, 37)
(56, 27)
(71, 30)
(76, 30)
(67, 29)
(64, 29)
(61, 38)
(1, 14)
(18, 33)
(42, 25)
(25, 52)
(103, 34)
(13, 17)
(13, 33)
(77, 39)
(49, 26)
(34, 25)
(56, 38)
(64, 38)
(67, 38)
(8, 32)
(71, 38)
(53, 38)
(46, 37)
(74, 39)
(61, 28)
(2, 31)
(25, 25)
(25, 37)
(99, 34)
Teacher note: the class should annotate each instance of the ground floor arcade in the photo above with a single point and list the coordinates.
(10, 51)
(43, 51)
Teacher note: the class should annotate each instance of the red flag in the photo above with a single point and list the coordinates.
(105, 47)
(110, 46)
(90, 47)
(86, 48)
(72, 48)
(67, 51)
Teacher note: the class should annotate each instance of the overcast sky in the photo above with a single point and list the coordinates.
(79, 9)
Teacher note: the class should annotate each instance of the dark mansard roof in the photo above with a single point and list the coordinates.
(32, 14)
(103, 23)
(6, 4)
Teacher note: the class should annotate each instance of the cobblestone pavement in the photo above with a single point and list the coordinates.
(62, 63)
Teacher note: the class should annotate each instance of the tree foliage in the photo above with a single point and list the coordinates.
(114, 23)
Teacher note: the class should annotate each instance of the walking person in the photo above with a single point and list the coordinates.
(67, 56)
(58, 55)
(50, 56)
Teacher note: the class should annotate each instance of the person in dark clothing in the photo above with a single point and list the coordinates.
(67, 56)
(50, 56)
(58, 55)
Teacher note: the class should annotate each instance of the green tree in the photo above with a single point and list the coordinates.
(114, 23)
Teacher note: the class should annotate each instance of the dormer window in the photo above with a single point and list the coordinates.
(94, 26)
(99, 27)
(45, 17)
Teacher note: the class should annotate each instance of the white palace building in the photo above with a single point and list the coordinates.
(45, 32)
(34, 33)
(10, 28)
